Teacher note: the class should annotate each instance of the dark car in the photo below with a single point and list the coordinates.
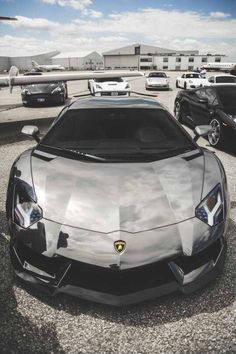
(47, 93)
(214, 105)
(117, 204)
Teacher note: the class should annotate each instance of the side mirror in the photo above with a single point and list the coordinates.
(32, 131)
(201, 130)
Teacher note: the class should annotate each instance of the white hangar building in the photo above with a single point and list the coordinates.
(146, 57)
(91, 61)
(25, 62)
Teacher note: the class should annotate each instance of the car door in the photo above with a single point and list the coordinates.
(201, 105)
(181, 81)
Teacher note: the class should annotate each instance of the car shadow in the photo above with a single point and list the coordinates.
(214, 297)
(18, 334)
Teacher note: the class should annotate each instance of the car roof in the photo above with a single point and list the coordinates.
(224, 84)
(117, 102)
(217, 75)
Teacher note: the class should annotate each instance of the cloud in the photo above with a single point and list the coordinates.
(104, 32)
(219, 15)
(75, 4)
(34, 23)
(92, 13)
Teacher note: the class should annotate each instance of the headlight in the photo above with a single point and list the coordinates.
(232, 117)
(127, 86)
(211, 209)
(57, 89)
(190, 81)
(99, 87)
(26, 211)
(26, 92)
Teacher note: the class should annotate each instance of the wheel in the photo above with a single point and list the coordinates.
(215, 137)
(177, 111)
(176, 84)
(185, 86)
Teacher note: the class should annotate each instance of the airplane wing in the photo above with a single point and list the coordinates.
(14, 80)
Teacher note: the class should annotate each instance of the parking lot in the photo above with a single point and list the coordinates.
(31, 321)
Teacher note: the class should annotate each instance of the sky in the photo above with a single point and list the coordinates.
(81, 26)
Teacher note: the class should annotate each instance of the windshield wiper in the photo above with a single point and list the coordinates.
(78, 153)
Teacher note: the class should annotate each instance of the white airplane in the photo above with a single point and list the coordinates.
(219, 66)
(48, 67)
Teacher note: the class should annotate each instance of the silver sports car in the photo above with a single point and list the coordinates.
(117, 204)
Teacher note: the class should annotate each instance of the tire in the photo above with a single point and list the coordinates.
(177, 111)
(216, 136)
(176, 84)
(185, 86)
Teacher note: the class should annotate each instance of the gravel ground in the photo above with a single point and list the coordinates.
(204, 322)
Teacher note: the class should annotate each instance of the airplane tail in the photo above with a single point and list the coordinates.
(35, 64)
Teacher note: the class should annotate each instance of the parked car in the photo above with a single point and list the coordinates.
(50, 93)
(109, 87)
(117, 204)
(190, 80)
(214, 105)
(220, 79)
(157, 80)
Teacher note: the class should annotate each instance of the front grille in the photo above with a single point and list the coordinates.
(189, 263)
(119, 93)
(118, 282)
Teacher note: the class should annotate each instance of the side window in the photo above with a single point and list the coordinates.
(207, 93)
(211, 95)
(183, 76)
(201, 93)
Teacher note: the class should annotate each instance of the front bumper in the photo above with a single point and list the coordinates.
(157, 86)
(44, 98)
(110, 285)
(112, 93)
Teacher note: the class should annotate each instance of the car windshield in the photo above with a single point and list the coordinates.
(157, 75)
(193, 76)
(120, 133)
(107, 79)
(42, 86)
(226, 79)
(227, 96)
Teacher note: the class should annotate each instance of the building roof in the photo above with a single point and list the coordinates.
(81, 55)
(146, 49)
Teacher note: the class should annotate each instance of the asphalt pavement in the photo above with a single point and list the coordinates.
(32, 322)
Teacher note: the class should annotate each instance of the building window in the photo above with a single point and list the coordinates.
(190, 68)
(217, 60)
(149, 60)
(165, 60)
(177, 67)
(204, 60)
(165, 67)
(178, 60)
(137, 50)
(190, 60)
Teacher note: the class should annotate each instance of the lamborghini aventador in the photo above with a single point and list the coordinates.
(117, 204)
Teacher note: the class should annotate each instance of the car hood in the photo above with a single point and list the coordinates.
(197, 81)
(42, 88)
(106, 197)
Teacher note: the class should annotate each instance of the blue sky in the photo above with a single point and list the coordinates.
(84, 25)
